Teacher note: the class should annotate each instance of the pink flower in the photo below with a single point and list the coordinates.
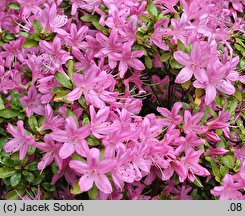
(189, 166)
(185, 143)
(54, 57)
(159, 33)
(100, 127)
(229, 190)
(221, 121)
(51, 121)
(65, 171)
(45, 86)
(171, 119)
(191, 123)
(75, 6)
(21, 140)
(76, 37)
(52, 152)
(108, 45)
(217, 151)
(214, 79)
(94, 171)
(52, 21)
(127, 59)
(240, 153)
(73, 138)
(96, 85)
(168, 3)
(193, 63)
(32, 102)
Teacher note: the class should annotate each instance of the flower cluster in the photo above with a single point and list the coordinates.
(133, 99)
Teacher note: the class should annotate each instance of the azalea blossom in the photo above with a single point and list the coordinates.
(73, 138)
(21, 140)
(94, 171)
(229, 190)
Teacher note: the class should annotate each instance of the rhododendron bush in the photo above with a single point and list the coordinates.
(122, 99)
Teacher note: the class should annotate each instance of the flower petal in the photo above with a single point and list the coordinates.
(86, 182)
(184, 75)
(103, 183)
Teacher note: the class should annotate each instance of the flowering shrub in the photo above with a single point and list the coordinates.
(131, 99)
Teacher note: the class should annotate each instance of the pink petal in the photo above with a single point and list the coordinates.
(176, 108)
(66, 150)
(210, 94)
(79, 166)
(184, 75)
(86, 182)
(12, 146)
(103, 183)
(23, 150)
(182, 58)
(59, 135)
(123, 67)
(226, 87)
(74, 94)
(164, 112)
(136, 64)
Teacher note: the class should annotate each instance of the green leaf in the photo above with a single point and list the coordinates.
(148, 62)
(175, 64)
(99, 27)
(37, 26)
(1, 103)
(238, 95)
(63, 80)
(82, 102)
(30, 43)
(15, 179)
(240, 125)
(152, 10)
(197, 182)
(237, 166)
(6, 172)
(28, 176)
(48, 186)
(14, 194)
(3, 140)
(15, 100)
(144, 18)
(181, 46)
(93, 192)
(32, 121)
(32, 166)
(240, 48)
(75, 188)
(24, 34)
(31, 150)
(77, 157)
(185, 105)
(86, 121)
(216, 173)
(165, 56)
(14, 6)
(224, 170)
(233, 107)
(89, 18)
(92, 141)
(54, 168)
(228, 160)
(71, 68)
(8, 161)
(9, 113)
